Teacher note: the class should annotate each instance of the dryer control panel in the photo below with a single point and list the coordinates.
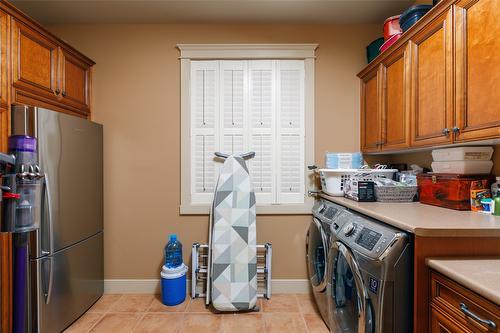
(326, 211)
(365, 235)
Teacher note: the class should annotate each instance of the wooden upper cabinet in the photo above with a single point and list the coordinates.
(74, 81)
(34, 62)
(3, 60)
(395, 100)
(431, 83)
(370, 113)
(477, 73)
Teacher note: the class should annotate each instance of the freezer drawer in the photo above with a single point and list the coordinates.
(65, 285)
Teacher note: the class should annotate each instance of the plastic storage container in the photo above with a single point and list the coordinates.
(391, 27)
(173, 252)
(333, 181)
(343, 160)
(173, 285)
(462, 154)
(389, 42)
(373, 49)
(28, 184)
(462, 167)
(412, 15)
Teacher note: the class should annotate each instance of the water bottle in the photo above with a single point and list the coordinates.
(173, 252)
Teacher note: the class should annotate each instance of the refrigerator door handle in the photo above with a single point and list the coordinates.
(48, 291)
(47, 202)
(47, 281)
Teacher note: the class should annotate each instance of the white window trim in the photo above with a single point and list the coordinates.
(190, 52)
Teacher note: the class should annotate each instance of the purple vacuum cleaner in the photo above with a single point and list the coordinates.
(26, 180)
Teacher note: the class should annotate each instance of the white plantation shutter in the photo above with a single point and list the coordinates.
(290, 86)
(261, 129)
(204, 129)
(204, 168)
(240, 106)
(261, 94)
(233, 94)
(233, 101)
(261, 167)
(233, 144)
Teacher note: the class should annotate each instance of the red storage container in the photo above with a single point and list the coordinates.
(389, 42)
(391, 27)
(448, 190)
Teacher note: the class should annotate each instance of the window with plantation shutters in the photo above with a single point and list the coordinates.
(237, 98)
(249, 105)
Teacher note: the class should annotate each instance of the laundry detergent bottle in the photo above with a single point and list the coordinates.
(173, 274)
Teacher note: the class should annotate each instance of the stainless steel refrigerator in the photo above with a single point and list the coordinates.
(66, 274)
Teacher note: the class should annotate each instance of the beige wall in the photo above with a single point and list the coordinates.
(137, 98)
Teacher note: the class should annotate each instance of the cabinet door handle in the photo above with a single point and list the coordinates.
(57, 91)
(474, 316)
(64, 93)
(446, 131)
(455, 130)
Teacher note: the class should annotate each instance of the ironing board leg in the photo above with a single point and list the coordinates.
(194, 268)
(269, 255)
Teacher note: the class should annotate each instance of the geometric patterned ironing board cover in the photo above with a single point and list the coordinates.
(234, 233)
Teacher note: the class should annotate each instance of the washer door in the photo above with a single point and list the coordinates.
(349, 306)
(316, 247)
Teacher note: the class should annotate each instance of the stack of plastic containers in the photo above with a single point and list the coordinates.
(392, 32)
(173, 274)
(462, 160)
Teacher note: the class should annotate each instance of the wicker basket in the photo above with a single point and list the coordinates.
(395, 193)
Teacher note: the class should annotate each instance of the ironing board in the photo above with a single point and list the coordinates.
(232, 241)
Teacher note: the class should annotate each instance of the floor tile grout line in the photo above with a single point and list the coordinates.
(96, 322)
(138, 322)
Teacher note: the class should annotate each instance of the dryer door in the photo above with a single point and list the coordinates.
(349, 307)
(316, 247)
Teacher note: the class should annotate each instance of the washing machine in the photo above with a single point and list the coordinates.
(317, 247)
(369, 269)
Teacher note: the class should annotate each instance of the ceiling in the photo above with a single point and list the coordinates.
(211, 11)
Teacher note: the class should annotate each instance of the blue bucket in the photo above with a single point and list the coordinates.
(173, 285)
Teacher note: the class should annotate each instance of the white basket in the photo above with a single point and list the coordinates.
(333, 180)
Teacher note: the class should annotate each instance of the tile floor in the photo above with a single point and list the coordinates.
(145, 313)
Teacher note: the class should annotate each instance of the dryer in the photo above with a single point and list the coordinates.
(317, 248)
(370, 281)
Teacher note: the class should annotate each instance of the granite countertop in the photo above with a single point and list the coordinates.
(479, 275)
(425, 220)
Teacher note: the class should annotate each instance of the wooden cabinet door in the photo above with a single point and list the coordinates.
(75, 81)
(477, 74)
(34, 62)
(443, 324)
(370, 113)
(431, 83)
(395, 100)
(3, 60)
(5, 282)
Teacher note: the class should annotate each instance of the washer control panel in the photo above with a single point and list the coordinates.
(367, 238)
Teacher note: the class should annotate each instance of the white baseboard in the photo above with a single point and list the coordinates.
(152, 286)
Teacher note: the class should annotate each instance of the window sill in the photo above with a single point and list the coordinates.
(292, 209)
